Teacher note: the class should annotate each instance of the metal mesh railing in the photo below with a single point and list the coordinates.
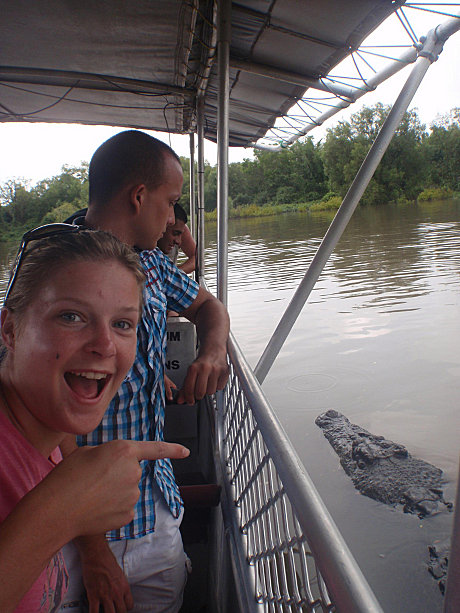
(281, 530)
(285, 573)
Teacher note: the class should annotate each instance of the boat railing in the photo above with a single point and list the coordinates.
(287, 548)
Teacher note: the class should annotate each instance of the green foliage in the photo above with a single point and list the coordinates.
(328, 196)
(435, 193)
(402, 200)
(327, 205)
(442, 150)
(254, 210)
(60, 213)
(210, 187)
(293, 175)
(211, 215)
(50, 200)
(402, 169)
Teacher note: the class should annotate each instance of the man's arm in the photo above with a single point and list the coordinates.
(209, 372)
(105, 583)
(107, 588)
(188, 246)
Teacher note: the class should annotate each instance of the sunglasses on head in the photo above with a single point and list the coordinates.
(47, 231)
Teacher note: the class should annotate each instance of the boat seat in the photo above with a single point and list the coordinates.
(200, 496)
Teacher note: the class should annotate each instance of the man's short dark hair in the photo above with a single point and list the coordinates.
(179, 213)
(130, 157)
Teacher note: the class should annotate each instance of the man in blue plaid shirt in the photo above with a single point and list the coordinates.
(134, 182)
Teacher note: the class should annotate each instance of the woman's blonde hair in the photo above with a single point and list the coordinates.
(43, 257)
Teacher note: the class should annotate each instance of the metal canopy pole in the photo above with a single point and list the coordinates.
(193, 220)
(348, 97)
(338, 89)
(200, 191)
(192, 185)
(431, 49)
(223, 55)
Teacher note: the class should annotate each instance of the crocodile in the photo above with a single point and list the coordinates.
(384, 470)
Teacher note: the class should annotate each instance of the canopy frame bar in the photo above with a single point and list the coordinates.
(346, 94)
(86, 80)
(294, 78)
(200, 187)
(192, 191)
(223, 105)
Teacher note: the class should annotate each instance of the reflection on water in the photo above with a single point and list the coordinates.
(384, 256)
(378, 341)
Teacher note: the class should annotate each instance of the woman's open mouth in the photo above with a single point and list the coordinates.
(87, 384)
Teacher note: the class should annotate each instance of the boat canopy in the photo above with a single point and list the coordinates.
(143, 64)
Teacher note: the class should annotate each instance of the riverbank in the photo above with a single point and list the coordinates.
(330, 202)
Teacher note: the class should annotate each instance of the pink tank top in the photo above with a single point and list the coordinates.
(22, 467)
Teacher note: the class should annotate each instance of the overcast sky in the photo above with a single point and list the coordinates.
(37, 151)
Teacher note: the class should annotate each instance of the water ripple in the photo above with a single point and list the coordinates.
(378, 269)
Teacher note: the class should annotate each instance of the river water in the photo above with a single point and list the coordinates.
(378, 340)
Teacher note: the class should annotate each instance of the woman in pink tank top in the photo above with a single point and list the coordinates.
(68, 337)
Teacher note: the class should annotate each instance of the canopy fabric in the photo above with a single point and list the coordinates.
(141, 64)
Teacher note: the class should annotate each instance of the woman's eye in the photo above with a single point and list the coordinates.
(70, 317)
(123, 325)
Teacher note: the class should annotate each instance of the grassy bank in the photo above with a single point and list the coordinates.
(12, 235)
(328, 203)
(266, 210)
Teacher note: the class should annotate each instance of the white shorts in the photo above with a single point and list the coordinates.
(155, 566)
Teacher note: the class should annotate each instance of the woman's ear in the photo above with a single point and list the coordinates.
(8, 328)
(136, 197)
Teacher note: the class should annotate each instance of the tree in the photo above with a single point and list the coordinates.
(442, 151)
(336, 155)
(295, 174)
(69, 186)
(25, 207)
(401, 172)
(8, 191)
(60, 213)
(210, 187)
(185, 196)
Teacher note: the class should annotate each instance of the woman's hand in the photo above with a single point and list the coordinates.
(91, 491)
(96, 488)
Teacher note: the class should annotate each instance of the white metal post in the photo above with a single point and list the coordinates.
(223, 56)
(200, 185)
(192, 186)
(193, 220)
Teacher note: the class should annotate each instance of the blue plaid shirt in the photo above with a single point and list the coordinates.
(137, 411)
